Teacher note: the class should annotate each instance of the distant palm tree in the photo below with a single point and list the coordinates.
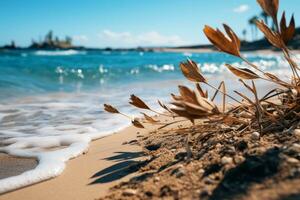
(252, 23)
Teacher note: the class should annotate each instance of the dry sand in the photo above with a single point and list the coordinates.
(91, 175)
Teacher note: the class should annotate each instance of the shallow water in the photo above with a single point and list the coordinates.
(51, 101)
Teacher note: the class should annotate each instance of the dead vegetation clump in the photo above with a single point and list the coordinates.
(278, 109)
(241, 149)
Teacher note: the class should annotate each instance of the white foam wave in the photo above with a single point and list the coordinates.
(165, 67)
(53, 129)
(59, 53)
(270, 63)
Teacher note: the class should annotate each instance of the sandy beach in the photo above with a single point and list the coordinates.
(88, 176)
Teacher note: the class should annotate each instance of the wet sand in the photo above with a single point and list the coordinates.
(12, 166)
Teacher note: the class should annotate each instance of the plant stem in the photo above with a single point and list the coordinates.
(223, 93)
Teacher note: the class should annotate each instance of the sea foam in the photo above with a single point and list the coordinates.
(59, 53)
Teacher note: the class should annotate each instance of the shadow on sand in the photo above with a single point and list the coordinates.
(125, 165)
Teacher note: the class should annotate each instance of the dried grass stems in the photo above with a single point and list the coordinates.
(279, 109)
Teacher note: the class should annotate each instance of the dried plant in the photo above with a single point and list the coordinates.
(279, 109)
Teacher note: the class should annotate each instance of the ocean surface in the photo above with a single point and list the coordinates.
(51, 102)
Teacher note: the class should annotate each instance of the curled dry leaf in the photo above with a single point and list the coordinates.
(137, 102)
(277, 80)
(187, 94)
(182, 112)
(176, 97)
(287, 33)
(137, 124)
(150, 119)
(273, 37)
(191, 71)
(110, 109)
(206, 104)
(164, 106)
(230, 44)
(270, 7)
(243, 73)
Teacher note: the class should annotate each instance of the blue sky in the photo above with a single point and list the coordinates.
(126, 23)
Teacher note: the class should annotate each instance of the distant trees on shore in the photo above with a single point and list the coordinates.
(52, 42)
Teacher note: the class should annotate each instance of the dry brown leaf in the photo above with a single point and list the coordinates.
(110, 109)
(137, 124)
(234, 38)
(287, 33)
(191, 71)
(150, 119)
(243, 73)
(187, 94)
(137, 102)
(230, 44)
(270, 7)
(273, 37)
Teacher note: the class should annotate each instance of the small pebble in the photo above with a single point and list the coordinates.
(156, 178)
(226, 160)
(239, 159)
(129, 192)
(201, 171)
(179, 171)
(255, 136)
(296, 132)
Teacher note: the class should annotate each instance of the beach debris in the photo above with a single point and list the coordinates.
(129, 192)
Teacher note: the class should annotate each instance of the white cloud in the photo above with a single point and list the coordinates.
(241, 8)
(152, 38)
